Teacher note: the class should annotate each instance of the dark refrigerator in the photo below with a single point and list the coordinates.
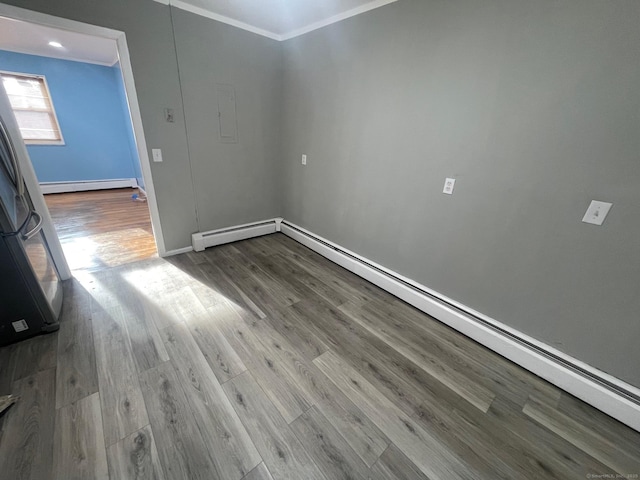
(30, 286)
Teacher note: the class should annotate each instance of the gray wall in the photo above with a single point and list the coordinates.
(233, 183)
(534, 106)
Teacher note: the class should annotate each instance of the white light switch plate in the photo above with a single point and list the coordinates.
(157, 154)
(597, 212)
(304, 159)
(449, 183)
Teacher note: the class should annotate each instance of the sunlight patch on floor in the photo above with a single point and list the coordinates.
(107, 249)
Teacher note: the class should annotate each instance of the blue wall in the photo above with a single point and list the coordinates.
(94, 120)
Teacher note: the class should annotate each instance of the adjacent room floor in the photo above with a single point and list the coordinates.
(260, 360)
(102, 228)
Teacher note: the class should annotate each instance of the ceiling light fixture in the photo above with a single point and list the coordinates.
(55, 44)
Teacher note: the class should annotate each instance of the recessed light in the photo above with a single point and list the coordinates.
(55, 44)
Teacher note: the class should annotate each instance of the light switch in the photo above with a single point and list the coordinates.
(304, 159)
(157, 154)
(169, 115)
(597, 212)
(449, 183)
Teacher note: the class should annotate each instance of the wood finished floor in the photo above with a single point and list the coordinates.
(102, 228)
(262, 360)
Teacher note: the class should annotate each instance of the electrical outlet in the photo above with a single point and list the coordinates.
(449, 183)
(597, 212)
(304, 159)
(157, 154)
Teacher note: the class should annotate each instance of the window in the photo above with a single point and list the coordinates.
(31, 103)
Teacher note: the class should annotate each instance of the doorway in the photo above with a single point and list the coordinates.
(87, 148)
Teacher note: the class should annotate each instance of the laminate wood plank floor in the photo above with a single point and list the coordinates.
(262, 360)
(102, 228)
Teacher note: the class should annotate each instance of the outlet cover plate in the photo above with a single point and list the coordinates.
(597, 212)
(449, 184)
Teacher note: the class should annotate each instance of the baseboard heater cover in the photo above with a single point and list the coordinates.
(203, 240)
(85, 185)
(605, 392)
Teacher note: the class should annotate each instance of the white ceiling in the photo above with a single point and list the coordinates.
(278, 19)
(23, 37)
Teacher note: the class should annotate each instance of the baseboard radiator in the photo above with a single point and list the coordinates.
(86, 185)
(203, 240)
(605, 392)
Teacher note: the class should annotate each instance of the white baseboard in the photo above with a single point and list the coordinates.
(203, 240)
(82, 186)
(177, 251)
(529, 353)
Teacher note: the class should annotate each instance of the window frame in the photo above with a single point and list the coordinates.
(45, 142)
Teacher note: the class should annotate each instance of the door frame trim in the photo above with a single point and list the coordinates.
(31, 16)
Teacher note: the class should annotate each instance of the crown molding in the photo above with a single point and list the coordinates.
(336, 18)
(221, 18)
(272, 35)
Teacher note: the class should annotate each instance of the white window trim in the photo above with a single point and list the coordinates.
(60, 142)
